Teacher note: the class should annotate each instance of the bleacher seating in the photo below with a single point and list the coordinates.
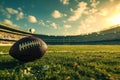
(9, 35)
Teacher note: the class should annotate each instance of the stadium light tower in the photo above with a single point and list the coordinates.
(32, 30)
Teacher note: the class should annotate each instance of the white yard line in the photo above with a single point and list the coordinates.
(6, 44)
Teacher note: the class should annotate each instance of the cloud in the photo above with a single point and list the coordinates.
(104, 12)
(12, 11)
(83, 9)
(9, 22)
(65, 2)
(92, 11)
(32, 19)
(111, 0)
(41, 22)
(94, 3)
(54, 25)
(95, 18)
(20, 15)
(19, 8)
(99, 21)
(117, 8)
(8, 12)
(89, 25)
(82, 6)
(4, 12)
(57, 14)
(67, 26)
(110, 11)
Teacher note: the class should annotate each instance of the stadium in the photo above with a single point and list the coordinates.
(10, 34)
(77, 59)
(59, 39)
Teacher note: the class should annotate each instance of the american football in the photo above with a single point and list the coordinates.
(28, 49)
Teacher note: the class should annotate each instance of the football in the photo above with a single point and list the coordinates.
(28, 49)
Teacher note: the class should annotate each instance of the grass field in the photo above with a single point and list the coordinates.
(65, 62)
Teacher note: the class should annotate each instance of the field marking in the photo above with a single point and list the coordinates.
(84, 51)
(6, 44)
(3, 53)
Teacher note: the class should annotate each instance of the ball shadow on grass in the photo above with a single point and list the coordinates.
(11, 64)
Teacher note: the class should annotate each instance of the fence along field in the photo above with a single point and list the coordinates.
(65, 62)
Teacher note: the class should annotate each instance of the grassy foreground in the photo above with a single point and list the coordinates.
(65, 62)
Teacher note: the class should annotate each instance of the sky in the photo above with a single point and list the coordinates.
(61, 17)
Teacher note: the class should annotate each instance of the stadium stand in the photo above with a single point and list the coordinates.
(9, 35)
(107, 36)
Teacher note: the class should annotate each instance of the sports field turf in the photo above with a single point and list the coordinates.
(65, 62)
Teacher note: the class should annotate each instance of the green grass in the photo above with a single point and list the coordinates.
(65, 62)
(4, 49)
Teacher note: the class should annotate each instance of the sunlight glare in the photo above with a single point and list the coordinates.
(115, 20)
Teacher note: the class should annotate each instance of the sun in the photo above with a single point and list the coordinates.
(115, 19)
